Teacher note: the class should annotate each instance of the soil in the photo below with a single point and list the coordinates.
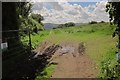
(73, 64)
(72, 61)
(74, 67)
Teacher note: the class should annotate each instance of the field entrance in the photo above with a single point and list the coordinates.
(71, 60)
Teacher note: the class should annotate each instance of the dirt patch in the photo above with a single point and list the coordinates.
(71, 58)
(74, 67)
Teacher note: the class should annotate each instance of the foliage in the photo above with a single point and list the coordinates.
(23, 9)
(69, 24)
(102, 22)
(61, 26)
(93, 22)
(16, 20)
(37, 17)
(46, 73)
(35, 24)
(110, 72)
(31, 23)
(113, 8)
(27, 21)
(113, 72)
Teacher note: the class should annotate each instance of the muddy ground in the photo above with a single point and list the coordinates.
(71, 58)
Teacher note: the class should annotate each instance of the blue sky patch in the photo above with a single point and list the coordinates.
(84, 4)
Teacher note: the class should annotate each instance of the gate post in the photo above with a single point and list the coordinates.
(30, 45)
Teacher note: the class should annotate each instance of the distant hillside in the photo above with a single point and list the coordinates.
(52, 25)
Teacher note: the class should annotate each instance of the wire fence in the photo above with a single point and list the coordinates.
(15, 45)
(18, 59)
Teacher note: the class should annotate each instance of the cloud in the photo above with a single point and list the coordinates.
(62, 12)
(48, 5)
(70, 0)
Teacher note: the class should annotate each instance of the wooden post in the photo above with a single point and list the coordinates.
(30, 45)
(118, 54)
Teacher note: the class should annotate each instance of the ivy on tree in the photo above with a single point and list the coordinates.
(113, 8)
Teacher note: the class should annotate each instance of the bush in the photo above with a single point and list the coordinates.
(69, 24)
(54, 28)
(61, 26)
(93, 22)
(102, 22)
(110, 72)
(35, 30)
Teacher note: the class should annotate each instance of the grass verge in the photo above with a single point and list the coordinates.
(46, 73)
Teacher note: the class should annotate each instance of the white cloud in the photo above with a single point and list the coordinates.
(62, 12)
(70, 0)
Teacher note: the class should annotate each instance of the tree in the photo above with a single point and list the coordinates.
(33, 21)
(23, 8)
(11, 12)
(102, 22)
(37, 17)
(113, 8)
(61, 26)
(69, 24)
(93, 22)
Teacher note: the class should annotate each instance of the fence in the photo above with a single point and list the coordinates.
(18, 62)
(14, 45)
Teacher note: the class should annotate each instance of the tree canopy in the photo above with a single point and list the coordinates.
(37, 17)
(69, 24)
(113, 8)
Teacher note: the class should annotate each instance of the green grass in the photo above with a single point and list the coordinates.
(47, 72)
(100, 46)
(36, 39)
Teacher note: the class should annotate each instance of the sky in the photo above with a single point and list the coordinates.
(77, 12)
(84, 4)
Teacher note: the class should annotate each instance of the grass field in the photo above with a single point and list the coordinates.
(100, 45)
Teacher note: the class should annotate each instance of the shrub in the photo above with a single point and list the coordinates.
(35, 30)
(102, 22)
(93, 22)
(110, 72)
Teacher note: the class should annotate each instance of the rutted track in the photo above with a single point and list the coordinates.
(72, 60)
(74, 65)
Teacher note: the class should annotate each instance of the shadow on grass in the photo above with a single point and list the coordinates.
(23, 67)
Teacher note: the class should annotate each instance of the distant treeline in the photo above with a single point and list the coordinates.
(95, 22)
(69, 24)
